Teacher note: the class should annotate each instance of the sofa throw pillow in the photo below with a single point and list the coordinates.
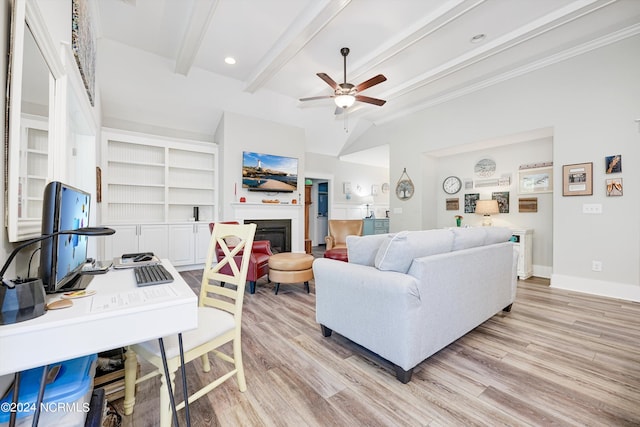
(394, 254)
(363, 249)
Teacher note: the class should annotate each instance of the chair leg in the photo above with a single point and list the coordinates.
(237, 357)
(206, 367)
(252, 287)
(306, 286)
(277, 287)
(165, 402)
(130, 373)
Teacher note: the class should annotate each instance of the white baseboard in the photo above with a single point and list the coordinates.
(597, 287)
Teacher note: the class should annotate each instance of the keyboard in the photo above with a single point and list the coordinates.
(154, 274)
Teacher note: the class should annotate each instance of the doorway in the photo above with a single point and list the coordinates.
(320, 208)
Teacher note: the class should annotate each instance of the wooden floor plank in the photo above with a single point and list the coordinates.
(558, 358)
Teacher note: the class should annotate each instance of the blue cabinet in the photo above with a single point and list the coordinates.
(375, 226)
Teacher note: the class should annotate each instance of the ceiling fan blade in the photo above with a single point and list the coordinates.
(371, 82)
(313, 98)
(328, 80)
(375, 101)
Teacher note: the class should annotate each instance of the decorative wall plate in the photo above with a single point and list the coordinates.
(485, 168)
(404, 187)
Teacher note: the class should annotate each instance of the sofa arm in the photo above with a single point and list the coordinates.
(262, 247)
(376, 309)
(329, 241)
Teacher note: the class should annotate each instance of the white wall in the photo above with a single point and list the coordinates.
(591, 102)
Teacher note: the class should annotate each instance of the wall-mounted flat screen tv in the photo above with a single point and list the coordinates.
(270, 173)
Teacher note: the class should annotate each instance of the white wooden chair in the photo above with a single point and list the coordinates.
(219, 321)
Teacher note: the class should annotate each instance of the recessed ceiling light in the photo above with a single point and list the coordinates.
(230, 60)
(478, 38)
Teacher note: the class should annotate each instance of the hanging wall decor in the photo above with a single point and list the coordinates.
(83, 44)
(404, 187)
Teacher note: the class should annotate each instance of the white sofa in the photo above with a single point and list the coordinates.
(405, 296)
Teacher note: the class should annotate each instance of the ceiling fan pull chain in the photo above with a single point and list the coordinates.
(346, 120)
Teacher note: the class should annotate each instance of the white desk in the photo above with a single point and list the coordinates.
(82, 329)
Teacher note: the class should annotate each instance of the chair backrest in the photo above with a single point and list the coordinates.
(339, 229)
(227, 298)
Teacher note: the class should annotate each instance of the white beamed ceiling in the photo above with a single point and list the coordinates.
(161, 62)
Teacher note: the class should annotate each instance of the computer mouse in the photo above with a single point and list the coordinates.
(143, 257)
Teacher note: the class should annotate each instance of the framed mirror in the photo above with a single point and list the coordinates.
(34, 70)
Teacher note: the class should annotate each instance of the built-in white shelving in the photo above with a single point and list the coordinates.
(34, 168)
(151, 186)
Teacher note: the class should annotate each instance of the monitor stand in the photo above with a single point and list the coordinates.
(78, 283)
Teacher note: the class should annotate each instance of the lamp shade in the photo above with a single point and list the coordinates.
(487, 207)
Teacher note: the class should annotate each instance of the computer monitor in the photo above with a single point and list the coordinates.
(62, 257)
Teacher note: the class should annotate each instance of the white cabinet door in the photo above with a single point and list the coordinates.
(153, 238)
(124, 241)
(137, 238)
(181, 244)
(203, 235)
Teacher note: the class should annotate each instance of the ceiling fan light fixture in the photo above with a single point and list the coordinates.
(344, 101)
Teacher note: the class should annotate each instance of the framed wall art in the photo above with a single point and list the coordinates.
(535, 180)
(613, 164)
(614, 187)
(470, 201)
(577, 179)
(528, 204)
(453, 204)
(503, 200)
(83, 44)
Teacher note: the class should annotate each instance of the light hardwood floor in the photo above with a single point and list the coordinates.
(558, 358)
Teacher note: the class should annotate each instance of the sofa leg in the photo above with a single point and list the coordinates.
(306, 286)
(402, 375)
(277, 287)
(222, 284)
(326, 332)
(252, 287)
(507, 308)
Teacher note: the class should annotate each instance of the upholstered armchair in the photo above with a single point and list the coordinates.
(258, 263)
(339, 229)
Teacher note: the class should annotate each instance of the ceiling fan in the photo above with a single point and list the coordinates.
(345, 94)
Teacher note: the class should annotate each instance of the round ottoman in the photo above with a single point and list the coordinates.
(289, 267)
(339, 254)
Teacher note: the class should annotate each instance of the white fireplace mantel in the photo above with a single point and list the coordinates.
(244, 211)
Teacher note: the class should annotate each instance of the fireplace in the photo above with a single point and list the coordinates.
(277, 231)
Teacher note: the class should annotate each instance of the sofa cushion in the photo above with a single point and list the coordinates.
(497, 235)
(363, 249)
(430, 242)
(470, 237)
(394, 254)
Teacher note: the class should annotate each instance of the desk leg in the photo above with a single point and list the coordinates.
(172, 399)
(130, 374)
(43, 383)
(183, 371)
(16, 393)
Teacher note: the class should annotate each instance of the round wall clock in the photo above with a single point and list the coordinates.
(451, 184)
(485, 168)
(404, 187)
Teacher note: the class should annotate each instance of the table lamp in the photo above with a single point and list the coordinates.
(23, 299)
(487, 208)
